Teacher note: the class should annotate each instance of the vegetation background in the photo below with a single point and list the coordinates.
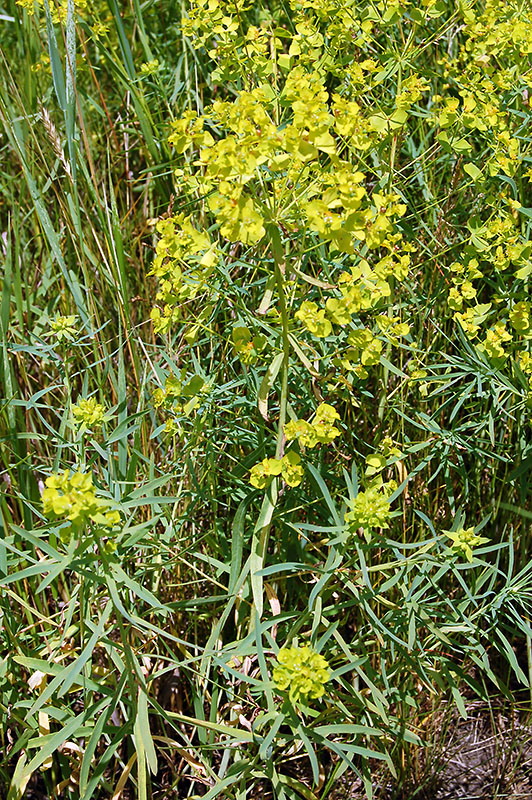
(266, 391)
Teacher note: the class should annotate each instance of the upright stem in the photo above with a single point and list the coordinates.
(278, 255)
(529, 661)
(261, 534)
(396, 136)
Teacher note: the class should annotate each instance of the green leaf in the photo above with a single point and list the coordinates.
(237, 540)
(259, 543)
(142, 733)
(58, 76)
(473, 171)
(267, 383)
(57, 739)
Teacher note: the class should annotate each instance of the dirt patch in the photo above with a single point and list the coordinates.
(487, 756)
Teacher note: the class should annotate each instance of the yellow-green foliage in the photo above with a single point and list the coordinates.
(266, 346)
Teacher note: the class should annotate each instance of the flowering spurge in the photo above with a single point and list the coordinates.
(302, 672)
(376, 462)
(290, 149)
(370, 509)
(261, 169)
(185, 258)
(321, 430)
(87, 413)
(520, 318)
(64, 327)
(494, 340)
(314, 320)
(73, 497)
(289, 467)
(247, 346)
(464, 539)
(58, 11)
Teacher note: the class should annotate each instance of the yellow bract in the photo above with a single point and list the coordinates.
(73, 497)
(289, 467)
(87, 412)
(302, 672)
(321, 429)
(64, 327)
(463, 541)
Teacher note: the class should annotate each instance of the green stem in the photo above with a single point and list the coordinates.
(261, 534)
(129, 663)
(529, 661)
(279, 278)
(386, 372)
(396, 136)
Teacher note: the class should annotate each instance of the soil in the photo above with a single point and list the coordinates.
(487, 756)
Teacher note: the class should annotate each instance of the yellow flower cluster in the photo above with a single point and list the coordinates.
(463, 275)
(206, 18)
(376, 462)
(364, 351)
(73, 497)
(520, 318)
(295, 153)
(314, 319)
(463, 541)
(149, 67)
(171, 393)
(64, 327)
(188, 132)
(525, 364)
(302, 672)
(184, 261)
(58, 10)
(289, 467)
(180, 397)
(321, 430)
(256, 152)
(286, 153)
(361, 289)
(370, 509)
(247, 347)
(494, 341)
(472, 318)
(87, 413)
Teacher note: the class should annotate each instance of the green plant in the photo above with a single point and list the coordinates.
(266, 357)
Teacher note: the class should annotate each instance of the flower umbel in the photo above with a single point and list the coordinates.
(464, 539)
(324, 421)
(320, 430)
(369, 509)
(87, 412)
(64, 327)
(289, 467)
(314, 319)
(302, 671)
(261, 473)
(73, 497)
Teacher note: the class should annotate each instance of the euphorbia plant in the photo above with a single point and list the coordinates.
(298, 218)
